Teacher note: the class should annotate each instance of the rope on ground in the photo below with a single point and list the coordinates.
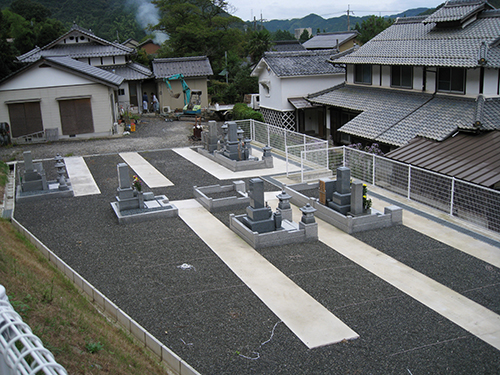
(261, 345)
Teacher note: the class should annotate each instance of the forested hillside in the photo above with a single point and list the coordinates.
(109, 19)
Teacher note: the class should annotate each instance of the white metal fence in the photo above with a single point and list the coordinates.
(474, 203)
(21, 352)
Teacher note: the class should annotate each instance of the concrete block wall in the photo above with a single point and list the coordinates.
(164, 354)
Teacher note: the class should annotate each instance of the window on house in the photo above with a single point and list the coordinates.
(363, 74)
(121, 92)
(402, 76)
(451, 80)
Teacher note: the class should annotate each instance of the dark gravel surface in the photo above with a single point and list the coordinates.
(214, 322)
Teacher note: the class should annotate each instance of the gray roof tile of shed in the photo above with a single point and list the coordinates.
(395, 117)
(329, 40)
(131, 71)
(411, 42)
(301, 63)
(89, 70)
(196, 66)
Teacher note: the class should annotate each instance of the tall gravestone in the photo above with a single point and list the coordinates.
(34, 177)
(232, 144)
(259, 217)
(341, 197)
(126, 198)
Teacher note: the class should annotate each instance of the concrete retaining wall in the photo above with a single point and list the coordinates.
(219, 204)
(308, 233)
(164, 354)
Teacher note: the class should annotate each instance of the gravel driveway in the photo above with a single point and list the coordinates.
(152, 133)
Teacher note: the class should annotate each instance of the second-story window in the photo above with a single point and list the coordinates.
(363, 74)
(402, 76)
(451, 80)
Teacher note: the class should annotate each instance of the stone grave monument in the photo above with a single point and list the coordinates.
(133, 205)
(233, 151)
(261, 227)
(342, 204)
(33, 183)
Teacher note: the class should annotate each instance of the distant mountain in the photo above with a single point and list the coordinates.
(316, 22)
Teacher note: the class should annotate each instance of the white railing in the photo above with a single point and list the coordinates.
(21, 352)
(474, 203)
(462, 199)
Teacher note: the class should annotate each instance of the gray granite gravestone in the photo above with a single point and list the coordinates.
(357, 198)
(34, 177)
(341, 197)
(259, 217)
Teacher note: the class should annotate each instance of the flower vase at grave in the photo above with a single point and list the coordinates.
(140, 195)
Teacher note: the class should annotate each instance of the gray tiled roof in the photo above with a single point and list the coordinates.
(97, 48)
(301, 63)
(329, 40)
(86, 69)
(395, 117)
(131, 71)
(287, 45)
(197, 66)
(411, 42)
(457, 10)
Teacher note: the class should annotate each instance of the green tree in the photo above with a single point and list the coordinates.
(198, 27)
(282, 35)
(372, 26)
(30, 10)
(260, 42)
(8, 55)
(304, 37)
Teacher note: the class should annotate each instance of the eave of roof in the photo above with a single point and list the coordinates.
(473, 158)
(131, 71)
(394, 117)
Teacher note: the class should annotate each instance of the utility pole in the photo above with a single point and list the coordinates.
(348, 24)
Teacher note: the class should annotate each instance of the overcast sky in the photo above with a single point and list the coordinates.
(287, 9)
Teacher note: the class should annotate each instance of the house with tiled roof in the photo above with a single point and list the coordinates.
(57, 97)
(429, 76)
(340, 40)
(285, 78)
(84, 46)
(195, 69)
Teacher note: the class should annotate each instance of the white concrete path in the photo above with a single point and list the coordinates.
(80, 177)
(222, 173)
(468, 314)
(147, 173)
(461, 241)
(313, 324)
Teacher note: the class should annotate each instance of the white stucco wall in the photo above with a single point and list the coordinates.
(491, 77)
(282, 88)
(472, 82)
(48, 84)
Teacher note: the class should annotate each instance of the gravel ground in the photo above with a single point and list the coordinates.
(152, 133)
(214, 322)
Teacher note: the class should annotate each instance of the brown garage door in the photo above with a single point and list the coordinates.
(25, 118)
(76, 116)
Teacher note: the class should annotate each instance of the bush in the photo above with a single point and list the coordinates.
(243, 112)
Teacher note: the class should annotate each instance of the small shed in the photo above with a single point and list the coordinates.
(195, 71)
